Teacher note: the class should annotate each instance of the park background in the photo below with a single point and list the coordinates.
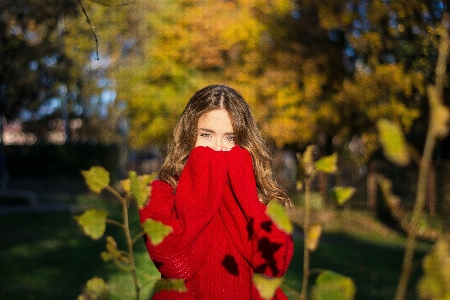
(88, 83)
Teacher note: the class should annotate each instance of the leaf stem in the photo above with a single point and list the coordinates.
(116, 223)
(116, 194)
(138, 236)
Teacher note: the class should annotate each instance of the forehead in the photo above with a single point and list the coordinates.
(217, 118)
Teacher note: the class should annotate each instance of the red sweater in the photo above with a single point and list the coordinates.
(221, 234)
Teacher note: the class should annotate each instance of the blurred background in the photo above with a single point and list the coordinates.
(89, 82)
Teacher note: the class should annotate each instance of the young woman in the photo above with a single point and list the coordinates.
(212, 190)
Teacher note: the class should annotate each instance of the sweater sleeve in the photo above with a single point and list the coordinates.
(188, 212)
(268, 249)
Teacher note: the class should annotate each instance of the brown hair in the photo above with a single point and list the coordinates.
(246, 134)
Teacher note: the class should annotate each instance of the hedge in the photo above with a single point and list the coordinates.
(55, 160)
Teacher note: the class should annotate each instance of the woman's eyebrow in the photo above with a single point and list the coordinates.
(207, 130)
(212, 131)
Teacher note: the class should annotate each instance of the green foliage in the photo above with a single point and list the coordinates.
(96, 178)
(277, 214)
(343, 194)
(327, 164)
(262, 50)
(307, 160)
(289, 68)
(393, 142)
(170, 285)
(96, 289)
(93, 222)
(435, 283)
(395, 149)
(314, 233)
(140, 187)
(114, 254)
(330, 285)
(440, 120)
(266, 286)
(156, 230)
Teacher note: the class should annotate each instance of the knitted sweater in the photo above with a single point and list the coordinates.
(221, 234)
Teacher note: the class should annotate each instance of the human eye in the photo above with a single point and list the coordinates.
(230, 138)
(205, 134)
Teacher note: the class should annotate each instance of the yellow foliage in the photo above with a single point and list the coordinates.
(368, 41)
(258, 48)
(381, 93)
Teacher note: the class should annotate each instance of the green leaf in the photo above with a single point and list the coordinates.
(386, 189)
(327, 164)
(331, 285)
(140, 187)
(96, 178)
(266, 286)
(95, 288)
(435, 283)
(93, 222)
(113, 253)
(314, 234)
(278, 215)
(164, 284)
(440, 122)
(156, 231)
(440, 114)
(393, 142)
(342, 194)
(307, 160)
(126, 185)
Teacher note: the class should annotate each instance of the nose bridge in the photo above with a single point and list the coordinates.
(218, 143)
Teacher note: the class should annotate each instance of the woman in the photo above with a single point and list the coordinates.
(212, 190)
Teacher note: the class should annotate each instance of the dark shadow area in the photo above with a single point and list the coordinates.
(46, 256)
(230, 265)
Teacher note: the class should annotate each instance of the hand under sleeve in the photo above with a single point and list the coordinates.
(195, 203)
(267, 248)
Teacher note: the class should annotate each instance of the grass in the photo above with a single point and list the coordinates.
(357, 245)
(46, 256)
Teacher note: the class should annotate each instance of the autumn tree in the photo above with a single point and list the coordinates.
(262, 49)
(33, 61)
(313, 71)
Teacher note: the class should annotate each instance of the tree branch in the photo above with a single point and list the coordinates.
(92, 28)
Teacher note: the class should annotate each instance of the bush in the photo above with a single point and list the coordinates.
(54, 160)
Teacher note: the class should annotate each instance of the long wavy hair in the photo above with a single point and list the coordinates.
(246, 134)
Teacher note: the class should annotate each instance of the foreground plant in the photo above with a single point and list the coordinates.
(93, 222)
(396, 150)
(329, 285)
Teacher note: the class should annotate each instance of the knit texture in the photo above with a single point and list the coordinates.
(221, 234)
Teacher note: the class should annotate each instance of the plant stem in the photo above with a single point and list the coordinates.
(114, 222)
(418, 207)
(116, 194)
(130, 247)
(137, 237)
(435, 99)
(305, 239)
